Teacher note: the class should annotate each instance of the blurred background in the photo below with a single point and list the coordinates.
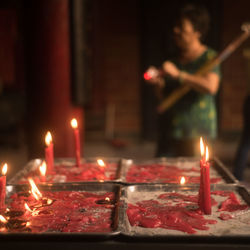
(61, 59)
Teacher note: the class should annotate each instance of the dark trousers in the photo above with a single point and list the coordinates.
(244, 145)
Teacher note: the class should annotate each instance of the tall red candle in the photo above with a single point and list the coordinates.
(202, 162)
(77, 141)
(206, 185)
(3, 186)
(49, 153)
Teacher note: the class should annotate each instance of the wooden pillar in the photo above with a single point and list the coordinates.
(49, 77)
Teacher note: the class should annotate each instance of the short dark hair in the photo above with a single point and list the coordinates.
(198, 16)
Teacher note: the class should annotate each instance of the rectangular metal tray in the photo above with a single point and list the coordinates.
(217, 169)
(34, 164)
(98, 188)
(227, 230)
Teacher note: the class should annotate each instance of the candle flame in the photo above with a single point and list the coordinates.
(48, 138)
(101, 163)
(74, 123)
(49, 201)
(28, 224)
(43, 168)
(34, 190)
(4, 169)
(107, 199)
(27, 207)
(201, 147)
(207, 154)
(2, 219)
(183, 180)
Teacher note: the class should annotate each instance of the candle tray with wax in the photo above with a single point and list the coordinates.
(66, 170)
(165, 212)
(170, 170)
(78, 210)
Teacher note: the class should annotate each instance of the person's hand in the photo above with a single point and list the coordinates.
(171, 70)
(152, 75)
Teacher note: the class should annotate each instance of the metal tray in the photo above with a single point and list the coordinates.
(217, 169)
(98, 188)
(236, 228)
(33, 165)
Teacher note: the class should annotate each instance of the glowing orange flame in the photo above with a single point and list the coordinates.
(49, 201)
(207, 154)
(183, 180)
(28, 224)
(48, 138)
(34, 190)
(27, 207)
(2, 219)
(74, 123)
(202, 147)
(101, 163)
(107, 199)
(4, 169)
(43, 168)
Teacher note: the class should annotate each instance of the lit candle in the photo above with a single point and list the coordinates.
(49, 153)
(206, 185)
(202, 162)
(182, 180)
(77, 141)
(42, 170)
(101, 163)
(3, 186)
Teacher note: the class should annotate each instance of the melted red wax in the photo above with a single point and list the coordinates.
(180, 211)
(71, 211)
(184, 216)
(86, 172)
(163, 173)
(231, 204)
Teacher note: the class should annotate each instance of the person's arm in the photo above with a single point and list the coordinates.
(206, 83)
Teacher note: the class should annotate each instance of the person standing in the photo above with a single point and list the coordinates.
(181, 126)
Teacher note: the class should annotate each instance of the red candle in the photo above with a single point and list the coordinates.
(77, 141)
(3, 186)
(206, 185)
(49, 153)
(42, 169)
(202, 162)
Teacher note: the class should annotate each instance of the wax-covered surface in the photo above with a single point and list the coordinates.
(171, 170)
(66, 170)
(62, 208)
(159, 210)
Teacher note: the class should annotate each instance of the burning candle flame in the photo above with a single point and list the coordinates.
(34, 190)
(49, 201)
(107, 199)
(101, 163)
(2, 219)
(27, 207)
(207, 154)
(28, 224)
(43, 168)
(4, 169)
(183, 180)
(74, 123)
(48, 138)
(201, 147)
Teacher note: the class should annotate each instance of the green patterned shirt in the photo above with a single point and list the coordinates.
(195, 114)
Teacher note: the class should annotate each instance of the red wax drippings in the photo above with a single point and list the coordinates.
(180, 212)
(163, 173)
(86, 172)
(70, 211)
